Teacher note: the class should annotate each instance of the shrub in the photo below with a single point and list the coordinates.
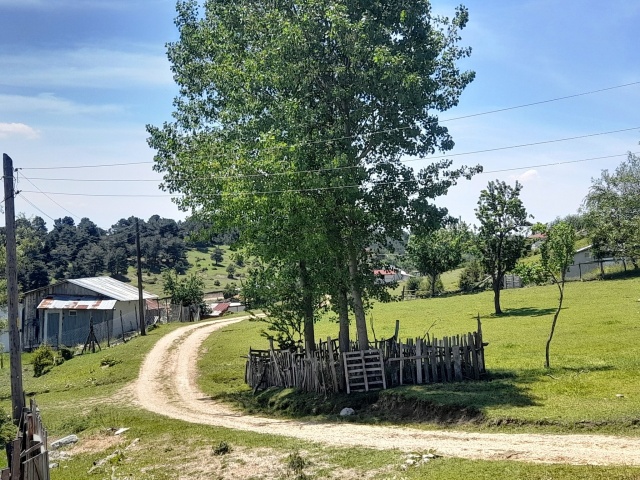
(65, 353)
(413, 284)
(42, 358)
(216, 283)
(109, 361)
(7, 430)
(222, 448)
(296, 464)
(531, 273)
(426, 290)
(471, 276)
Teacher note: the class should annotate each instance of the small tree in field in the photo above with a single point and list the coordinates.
(439, 251)
(557, 254)
(500, 238)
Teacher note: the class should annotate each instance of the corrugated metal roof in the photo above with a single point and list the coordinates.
(110, 287)
(69, 302)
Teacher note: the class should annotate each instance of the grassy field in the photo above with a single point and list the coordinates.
(594, 384)
(594, 359)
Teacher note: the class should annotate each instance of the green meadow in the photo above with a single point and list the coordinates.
(594, 382)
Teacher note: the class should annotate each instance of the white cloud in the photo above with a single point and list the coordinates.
(525, 177)
(91, 67)
(47, 103)
(17, 130)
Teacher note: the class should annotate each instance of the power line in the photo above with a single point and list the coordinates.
(262, 175)
(51, 199)
(37, 208)
(85, 166)
(303, 190)
(524, 145)
(552, 164)
(488, 112)
(338, 187)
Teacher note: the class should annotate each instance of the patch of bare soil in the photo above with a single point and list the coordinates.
(167, 386)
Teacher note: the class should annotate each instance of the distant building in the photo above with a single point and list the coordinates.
(390, 276)
(584, 263)
(61, 314)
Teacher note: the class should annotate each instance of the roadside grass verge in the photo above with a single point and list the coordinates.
(594, 384)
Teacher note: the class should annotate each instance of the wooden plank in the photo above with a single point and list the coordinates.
(384, 377)
(347, 380)
(447, 359)
(457, 367)
(418, 361)
(401, 362)
(434, 361)
(366, 380)
(332, 364)
(474, 358)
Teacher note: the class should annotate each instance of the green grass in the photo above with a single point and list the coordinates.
(77, 397)
(593, 356)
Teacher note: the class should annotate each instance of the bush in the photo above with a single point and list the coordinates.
(413, 284)
(230, 290)
(65, 353)
(471, 276)
(531, 273)
(426, 290)
(222, 448)
(42, 358)
(216, 283)
(7, 430)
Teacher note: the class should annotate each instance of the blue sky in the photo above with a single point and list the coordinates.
(80, 79)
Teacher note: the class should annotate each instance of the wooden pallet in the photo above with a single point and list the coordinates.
(364, 370)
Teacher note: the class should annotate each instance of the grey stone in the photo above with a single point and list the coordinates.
(68, 440)
(345, 412)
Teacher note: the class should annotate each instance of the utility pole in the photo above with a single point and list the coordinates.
(143, 330)
(17, 393)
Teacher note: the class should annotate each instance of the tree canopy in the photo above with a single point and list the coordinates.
(439, 251)
(612, 209)
(291, 124)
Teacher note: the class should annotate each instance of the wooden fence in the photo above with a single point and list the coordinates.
(415, 361)
(27, 455)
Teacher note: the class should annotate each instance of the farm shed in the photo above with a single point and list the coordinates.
(584, 263)
(61, 314)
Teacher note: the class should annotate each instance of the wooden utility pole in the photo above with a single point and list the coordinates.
(17, 393)
(143, 330)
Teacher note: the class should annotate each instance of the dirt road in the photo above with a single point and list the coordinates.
(167, 386)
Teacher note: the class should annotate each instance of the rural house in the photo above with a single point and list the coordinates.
(390, 276)
(62, 313)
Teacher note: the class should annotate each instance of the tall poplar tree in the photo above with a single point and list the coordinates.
(291, 122)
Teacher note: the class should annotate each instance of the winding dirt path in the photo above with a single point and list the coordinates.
(167, 386)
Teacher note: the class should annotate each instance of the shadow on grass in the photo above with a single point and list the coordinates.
(524, 312)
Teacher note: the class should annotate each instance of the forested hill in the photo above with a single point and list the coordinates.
(71, 250)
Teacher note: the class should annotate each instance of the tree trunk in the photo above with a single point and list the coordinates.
(433, 285)
(358, 307)
(343, 315)
(496, 295)
(307, 305)
(553, 326)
